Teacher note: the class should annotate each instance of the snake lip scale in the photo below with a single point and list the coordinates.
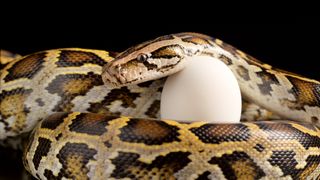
(91, 115)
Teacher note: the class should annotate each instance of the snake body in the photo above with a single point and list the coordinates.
(102, 142)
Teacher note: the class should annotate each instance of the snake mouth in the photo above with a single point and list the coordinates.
(112, 76)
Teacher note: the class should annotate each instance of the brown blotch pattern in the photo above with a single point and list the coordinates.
(58, 136)
(40, 102)
(78, 58)
(77, 86)
(74, 158)
(149, 132)
(90, 123)
(244, 169)
(282, 131)
(128, 166)
(107, 144)
(306, 93)
(49, 174)
(259, 147)
(12, 104)
(168, 52)
(278, 157)
(267, 80)
(145, 84)
(26, 67)
(238, 165)
(154, 109)
(71, 85)
(243, 72)
(225, 59)
(314, 120)
(54, 120)
(123, 94)
(286, 161)
(204, 176)
(43, 148)
(215, 134)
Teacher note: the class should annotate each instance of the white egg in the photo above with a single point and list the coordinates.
(206, 90)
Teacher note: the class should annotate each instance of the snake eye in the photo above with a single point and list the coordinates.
(142, 57)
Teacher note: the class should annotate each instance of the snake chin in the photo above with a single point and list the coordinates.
(111, 78)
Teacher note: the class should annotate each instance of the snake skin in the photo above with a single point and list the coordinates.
(105, 143)
(102, 147)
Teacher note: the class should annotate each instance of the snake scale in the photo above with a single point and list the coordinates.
(92, 115)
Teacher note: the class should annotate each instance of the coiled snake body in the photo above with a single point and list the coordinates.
(103, 142)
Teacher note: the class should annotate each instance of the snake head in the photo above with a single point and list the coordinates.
(147, 61)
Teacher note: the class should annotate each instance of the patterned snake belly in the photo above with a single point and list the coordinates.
(78, 103)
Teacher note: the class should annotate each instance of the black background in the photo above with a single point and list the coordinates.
(289, 42)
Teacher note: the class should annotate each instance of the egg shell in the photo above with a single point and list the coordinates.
(206, 90)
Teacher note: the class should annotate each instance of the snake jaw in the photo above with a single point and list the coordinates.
(111, 76)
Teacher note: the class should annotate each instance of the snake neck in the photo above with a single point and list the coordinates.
(288, 95)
